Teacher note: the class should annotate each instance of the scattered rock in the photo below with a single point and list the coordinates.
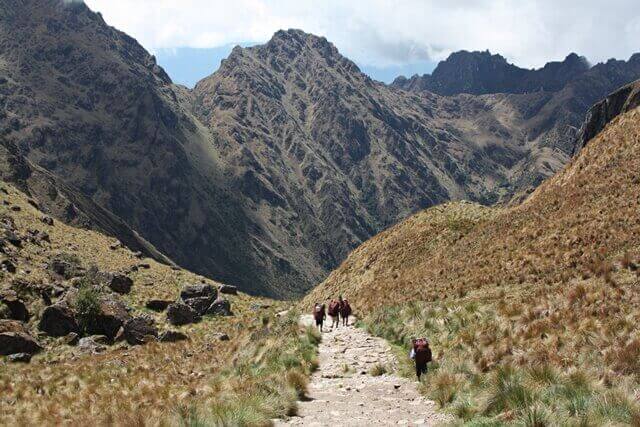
(66, 266)
(199, 290)
(113, 315)
(58, 320)
(158, 304)
(89, 345)
(137, 330)
(47, 220)
(17, 308)
(120, 283)
(14, 338)
(19, 358)
(115, 246)
(172, 336)
(8, 266)
(11, 237)
(144, 265)
(16, 208)
(181, 314)
(228, 289)
(71, 338)
(33, 203)
(220, 307)
(221, 336)
(138, 254)
(200, 304)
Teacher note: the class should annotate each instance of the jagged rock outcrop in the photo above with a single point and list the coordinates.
(624, 99)
(482, 73)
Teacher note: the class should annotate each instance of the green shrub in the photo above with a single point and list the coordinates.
(87, 306)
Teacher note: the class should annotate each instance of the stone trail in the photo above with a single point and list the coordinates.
(342, 392)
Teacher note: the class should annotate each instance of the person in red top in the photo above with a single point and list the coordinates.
(334, 312)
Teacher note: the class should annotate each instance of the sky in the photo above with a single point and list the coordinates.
(385, 38)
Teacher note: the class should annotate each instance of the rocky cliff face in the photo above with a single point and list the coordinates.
(273, 168)
(619, 102)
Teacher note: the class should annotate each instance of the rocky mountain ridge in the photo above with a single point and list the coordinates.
(274, 167)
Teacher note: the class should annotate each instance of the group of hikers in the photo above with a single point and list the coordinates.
(338, 310)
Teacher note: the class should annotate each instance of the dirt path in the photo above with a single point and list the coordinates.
(339, 397)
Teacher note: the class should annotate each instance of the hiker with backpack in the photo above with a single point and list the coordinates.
(319, 314)
(345, 311)
(334, 312)
(421, 355)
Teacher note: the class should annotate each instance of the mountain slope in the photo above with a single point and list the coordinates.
(273, 168)
(530, 310)
(585, 214)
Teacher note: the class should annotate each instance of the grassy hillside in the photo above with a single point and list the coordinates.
(255, 375)
(532, 310)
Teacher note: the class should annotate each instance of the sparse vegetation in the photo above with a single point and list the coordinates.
(377, 370)
(531, 310)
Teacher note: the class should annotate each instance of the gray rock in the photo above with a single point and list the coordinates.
(58, 320)
(198, 290)
(228, 289)
(112, 316)
(200, 304)
(71, 338)
(220, 307)
(120, 283)
(181, 314)
(158, 304)
(19, 358)
(89, 345)
(17, 308)
(137, 330)
(172, 336)
(14, 338)
(47, 220)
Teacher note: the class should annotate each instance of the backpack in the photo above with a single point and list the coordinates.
(422, 350)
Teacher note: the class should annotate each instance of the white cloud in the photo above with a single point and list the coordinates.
(385, 33)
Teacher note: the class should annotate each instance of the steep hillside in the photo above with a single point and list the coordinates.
(540, 297)
(73, 300)
(273, 168)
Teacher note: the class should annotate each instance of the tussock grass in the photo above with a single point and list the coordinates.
(378, 370)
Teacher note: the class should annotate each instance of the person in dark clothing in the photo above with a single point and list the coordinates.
(319, 314)
(421, 354)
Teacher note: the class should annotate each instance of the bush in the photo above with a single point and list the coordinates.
(87, 306)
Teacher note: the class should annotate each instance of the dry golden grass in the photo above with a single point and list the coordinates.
(256, 375)
(551, 282)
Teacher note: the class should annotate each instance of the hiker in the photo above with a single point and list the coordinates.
(421, 355)
(319, 314)
(334, 312)
(345, 311)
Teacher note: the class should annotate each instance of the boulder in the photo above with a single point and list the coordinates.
(112, 316)
(19, 358)
(172, 336)
(13, 238)
(120, 283)
(220, 307)
(181, 314)
(65, 266)
(138, 329)
(220, 336)
(58, 320)
(8, 266)
(158, 304)
(71, 338)
(14, 338)
(228, 289)
(198, 290)
(200, 304)
(47, 220)
(17, 308)
(89, 345)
